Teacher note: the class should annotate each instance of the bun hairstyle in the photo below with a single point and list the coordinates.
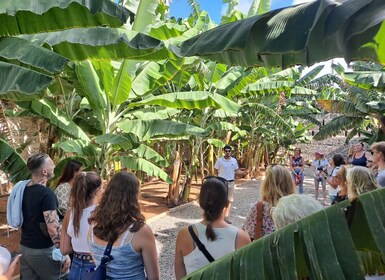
(84, 189)
(213, 199)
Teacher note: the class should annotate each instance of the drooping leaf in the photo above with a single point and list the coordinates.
(34, 16)
(147, 129)
(303, 34)
(191, 100)
(135, 163)
(101, 43)
(12, 163)
(13, 79)
(122, 85)
(45, 109)
(12, 48)
(145, 152)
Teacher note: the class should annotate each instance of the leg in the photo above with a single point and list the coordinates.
(301, 184)
(26, 271)
(41, 263)
(316, 187)
(323, 184)
(230, 197)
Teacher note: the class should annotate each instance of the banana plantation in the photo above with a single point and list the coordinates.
(121, 84)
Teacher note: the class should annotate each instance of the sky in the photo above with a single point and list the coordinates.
(181, 8)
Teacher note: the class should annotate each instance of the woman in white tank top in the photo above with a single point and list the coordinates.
(217, 236)
(75, 225)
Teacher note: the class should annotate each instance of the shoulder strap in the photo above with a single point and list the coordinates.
(258, 226)
(201, 247)
(107, 255)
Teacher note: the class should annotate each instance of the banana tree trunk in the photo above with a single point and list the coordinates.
(211, 159)
(173, 190)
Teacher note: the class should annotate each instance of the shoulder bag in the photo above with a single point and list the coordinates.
(101, 272)
(258, 225)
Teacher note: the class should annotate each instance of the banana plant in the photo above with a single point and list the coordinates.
(358, 103)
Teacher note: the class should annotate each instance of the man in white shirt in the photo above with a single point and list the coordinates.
(226, 167)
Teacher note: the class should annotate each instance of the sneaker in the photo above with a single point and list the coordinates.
(228, 221)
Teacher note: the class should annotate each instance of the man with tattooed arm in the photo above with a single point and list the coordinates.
(40, 233)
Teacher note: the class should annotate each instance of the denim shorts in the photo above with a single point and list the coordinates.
(79, 268)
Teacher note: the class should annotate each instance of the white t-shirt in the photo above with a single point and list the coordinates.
(317, 163)
(79, 243)
(331, 190)
(226, 167)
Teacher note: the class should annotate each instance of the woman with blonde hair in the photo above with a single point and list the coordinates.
(277, 183)
(360, 180)
(342, 193)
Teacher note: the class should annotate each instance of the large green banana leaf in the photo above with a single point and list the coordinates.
(101, 43)
(135, 163)
(26, 67)
(302, 34)
(320, 246)
(147, 129)
(49, 111)
(35, 16)
(191, 100)
(12, 163)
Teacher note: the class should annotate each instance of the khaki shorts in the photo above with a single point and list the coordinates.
(230, 195)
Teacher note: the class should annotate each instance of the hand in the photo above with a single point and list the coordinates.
(66, 265)
(12, 268)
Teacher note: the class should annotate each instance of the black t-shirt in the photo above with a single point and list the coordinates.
(36, 199)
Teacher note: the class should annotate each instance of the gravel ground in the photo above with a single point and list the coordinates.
(167, 225)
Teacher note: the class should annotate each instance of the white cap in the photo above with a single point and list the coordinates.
(5, 259)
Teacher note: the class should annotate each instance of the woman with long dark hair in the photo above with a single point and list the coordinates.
(75, 225)
(118, 220)
(64, 185)
(218, 237)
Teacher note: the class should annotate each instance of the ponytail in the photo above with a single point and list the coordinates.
(84, 189)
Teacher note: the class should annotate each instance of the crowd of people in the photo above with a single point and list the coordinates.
(107, 226)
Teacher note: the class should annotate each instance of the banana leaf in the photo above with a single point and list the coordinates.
(321, 246)
(303, 34)
(35, 16)
(100, 43)
(12, 163)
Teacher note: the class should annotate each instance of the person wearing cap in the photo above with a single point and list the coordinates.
(378, 157)
(319, 164)
(226, 167)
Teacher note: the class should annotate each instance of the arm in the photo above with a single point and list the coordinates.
(179, 267)
(65, 239)
(249, 225)
(150, 256)
(52, 221)
(303, 165)
(242, 239)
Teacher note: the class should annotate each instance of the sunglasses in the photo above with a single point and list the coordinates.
(227, 151)
(223, 180)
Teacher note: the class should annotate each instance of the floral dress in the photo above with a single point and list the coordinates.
(63, 194)
(251, 221)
